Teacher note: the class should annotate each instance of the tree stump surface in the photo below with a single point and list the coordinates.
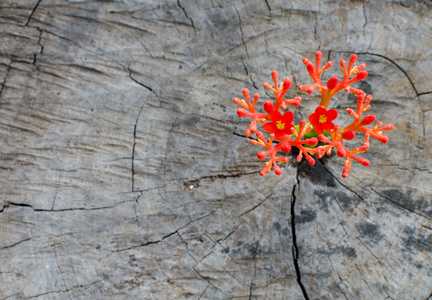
(125, 172)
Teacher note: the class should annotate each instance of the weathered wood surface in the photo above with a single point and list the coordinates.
(124, 172)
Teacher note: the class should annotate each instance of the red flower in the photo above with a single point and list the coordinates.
(280, 124)
(322, 119)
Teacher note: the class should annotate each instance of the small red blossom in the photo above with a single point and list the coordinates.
(322, 119)
(280, 124)
(304, 137)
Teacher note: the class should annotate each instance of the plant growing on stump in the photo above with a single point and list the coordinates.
(321, 124)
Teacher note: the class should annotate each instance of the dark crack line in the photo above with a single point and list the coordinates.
(15, 244)
(206, 278)
(316, 35)
(136, 219)
(61, 291)
(268, 7)
(337, 179)
(5, 79)
(430, 297)
(203, 292)
(66, 289)
(32, 12)
(250, 76)
(166, 236)
(394, 63)
(252, 284)
(133, 150)
(220, 176)
(367, 248)
(159, 241)
(340, 278)
(227, 236)
(9, 204)
(241, 31)
(406, 75)
(365, 19)
(41, 46)
(259, 204)
(295, 251)
(399, 205)
(141, 84)
(186, 15)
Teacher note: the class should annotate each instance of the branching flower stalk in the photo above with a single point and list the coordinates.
(320, 127)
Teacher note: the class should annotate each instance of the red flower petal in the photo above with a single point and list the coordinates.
(318, 128)
(327, 126)
(275, 116)
(287, 130)
(287, 118)
(279, 135)
(331, 115)
(313, 119)
(320, 110)
(270, 127)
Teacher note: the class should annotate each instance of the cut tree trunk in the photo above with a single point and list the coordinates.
(125, 172)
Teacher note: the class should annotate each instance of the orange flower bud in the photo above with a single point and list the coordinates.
(262, 154)
(384, 139)
(332, 82)
(267, 86)
(286, 147)
(311, 68)
(362, 75)
(348, 135)
(368, 120)
(277, 170)
(365, 162)
(341, 152)
(268, 106)
(310, 90)
(242, 112)
(286, 84)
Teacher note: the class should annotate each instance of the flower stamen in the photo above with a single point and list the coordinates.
(280, 125)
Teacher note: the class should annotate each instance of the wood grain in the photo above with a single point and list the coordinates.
(124, 172)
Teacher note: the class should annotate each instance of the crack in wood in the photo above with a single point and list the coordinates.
(295, 251)
(218, 176)
(254, 207)
(61, 291)
(268, 7)
(206, 278)
(186, 15)
(424, 93)
(15, 244)
(32, 13)
(133, 150)
(8, 204)
(241, 32)
(399, 205)
(407, 76)
(166, 236)
(202, 294)
(337, 179)
(140, 83)
(41, 47)
(6, 75)
(61, 274)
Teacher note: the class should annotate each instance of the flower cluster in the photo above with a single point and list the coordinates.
(321, 126)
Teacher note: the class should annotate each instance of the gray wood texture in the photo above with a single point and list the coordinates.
(125, 174)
